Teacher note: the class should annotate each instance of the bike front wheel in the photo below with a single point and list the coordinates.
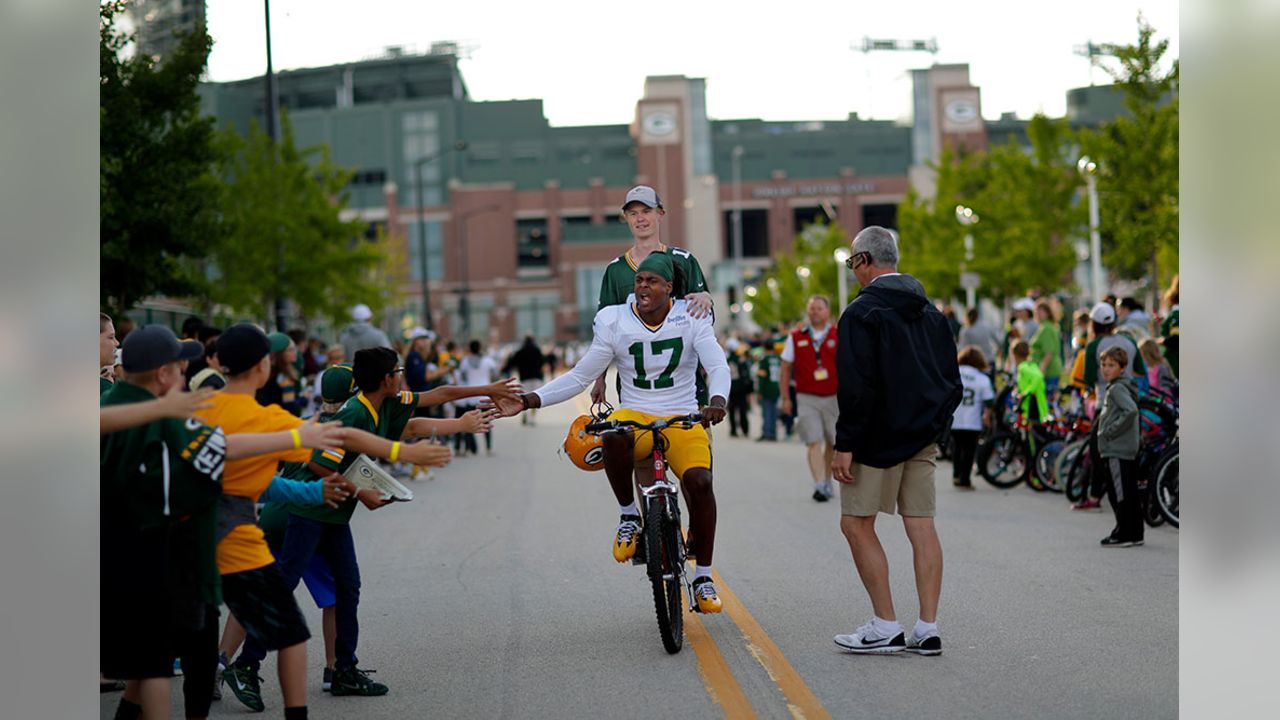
(1002, 460)
(665, 563)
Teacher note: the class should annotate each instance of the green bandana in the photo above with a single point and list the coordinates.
(658, 263)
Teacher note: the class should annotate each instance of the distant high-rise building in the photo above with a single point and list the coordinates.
(160, 22)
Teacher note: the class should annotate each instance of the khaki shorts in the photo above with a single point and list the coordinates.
(907, 486)
(816, 416)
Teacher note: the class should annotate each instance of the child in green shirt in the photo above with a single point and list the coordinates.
(1034, 404)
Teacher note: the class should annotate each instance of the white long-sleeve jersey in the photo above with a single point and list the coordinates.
(657, 365)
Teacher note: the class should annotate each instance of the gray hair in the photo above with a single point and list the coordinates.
(881, 243)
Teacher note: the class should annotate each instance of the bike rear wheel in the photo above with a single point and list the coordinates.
(1002, 460)
(1062, 464)
(1166, 481)
(666, 566)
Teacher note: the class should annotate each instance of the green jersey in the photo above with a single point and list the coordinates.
(160, 484)
(387, 421)
(620, 276)
(104, 385)
(769, 376)
(741, 372)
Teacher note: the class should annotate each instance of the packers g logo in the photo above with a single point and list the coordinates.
(594, 456)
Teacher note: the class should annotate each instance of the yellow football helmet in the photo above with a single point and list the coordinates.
(584, 449)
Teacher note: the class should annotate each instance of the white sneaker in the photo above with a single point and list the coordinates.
(868, 640)
(829, 488)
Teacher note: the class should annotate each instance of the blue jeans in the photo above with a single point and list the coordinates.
(303, 537)
(769, 418)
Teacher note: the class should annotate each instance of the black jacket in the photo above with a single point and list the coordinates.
(899, 380)
(527, 361)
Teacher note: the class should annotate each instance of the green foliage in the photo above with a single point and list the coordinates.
(1025, 201)
(1138, 154)
(284, 236)
(155, 180)
(782, 293)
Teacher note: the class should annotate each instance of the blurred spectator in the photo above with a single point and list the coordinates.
(979, 332)
(107, 345)
(360, 335)
(972, 415)
(528, 362)
(1046, 346)
(1169, 328)
(473, 370)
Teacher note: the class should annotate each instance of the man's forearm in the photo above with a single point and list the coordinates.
(784, 377)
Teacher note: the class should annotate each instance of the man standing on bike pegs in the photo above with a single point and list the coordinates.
(657, 345)
(891, 414)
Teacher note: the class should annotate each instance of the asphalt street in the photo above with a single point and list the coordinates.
(494, 595)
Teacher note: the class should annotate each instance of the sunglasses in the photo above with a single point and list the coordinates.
(852, 262)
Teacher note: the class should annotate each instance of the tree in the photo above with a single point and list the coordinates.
(156, 155)
(1138, 177)
(280, 209)
(1026, 201)
(783, 293)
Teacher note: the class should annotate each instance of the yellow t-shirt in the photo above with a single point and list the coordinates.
(245, 548)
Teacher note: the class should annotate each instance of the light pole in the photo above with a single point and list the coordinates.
(1089, 169)
(967, 218)
(464, 300)
(422, 225)
(841, 255)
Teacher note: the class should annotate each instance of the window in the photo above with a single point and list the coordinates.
(808, 215)
(420, 138)
(882, 215)
(374, 178)
(435, 251)
(536, 316)
(755, 233)
(531, 244)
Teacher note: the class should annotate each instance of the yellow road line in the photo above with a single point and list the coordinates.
(721, 685)
(801, 701)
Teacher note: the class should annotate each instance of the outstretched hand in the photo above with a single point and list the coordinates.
(322, 436)
(479, 420)
(508, 407)
(182, 405)
(509, 388)
(426, 453)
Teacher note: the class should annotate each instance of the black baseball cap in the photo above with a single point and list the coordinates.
(150, 346)
(241, 346)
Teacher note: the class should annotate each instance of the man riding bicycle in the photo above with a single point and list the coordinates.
(647, 338)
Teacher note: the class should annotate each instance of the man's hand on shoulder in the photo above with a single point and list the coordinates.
(699, 304)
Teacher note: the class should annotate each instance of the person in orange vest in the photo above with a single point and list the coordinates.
(810, 357)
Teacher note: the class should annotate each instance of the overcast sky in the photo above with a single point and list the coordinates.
(777, 60)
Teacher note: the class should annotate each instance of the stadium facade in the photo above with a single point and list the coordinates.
(520, 217)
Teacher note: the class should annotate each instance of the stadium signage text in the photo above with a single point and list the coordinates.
(814, 189)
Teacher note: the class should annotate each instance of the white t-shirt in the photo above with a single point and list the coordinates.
(656, 365)
(473, 371)
(977, 390)
(789, 350)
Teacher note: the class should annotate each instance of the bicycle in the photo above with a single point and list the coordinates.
(663, 539)
(1166, 484)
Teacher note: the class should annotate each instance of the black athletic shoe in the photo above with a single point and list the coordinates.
(1113, 541)
(355, 681)
(820, 496)
(930, 644)
(245, 685)
(866, 640)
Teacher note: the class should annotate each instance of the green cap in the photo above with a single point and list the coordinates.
(658, 263)
(279, 341)
(337, 384)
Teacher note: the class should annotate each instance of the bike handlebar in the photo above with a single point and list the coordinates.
(689, 420)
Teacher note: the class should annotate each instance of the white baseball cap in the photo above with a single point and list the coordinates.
(1103, 314)
(361, 312)
(1024, 304)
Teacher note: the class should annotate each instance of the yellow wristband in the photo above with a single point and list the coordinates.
(395, 451)
(297, 439)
